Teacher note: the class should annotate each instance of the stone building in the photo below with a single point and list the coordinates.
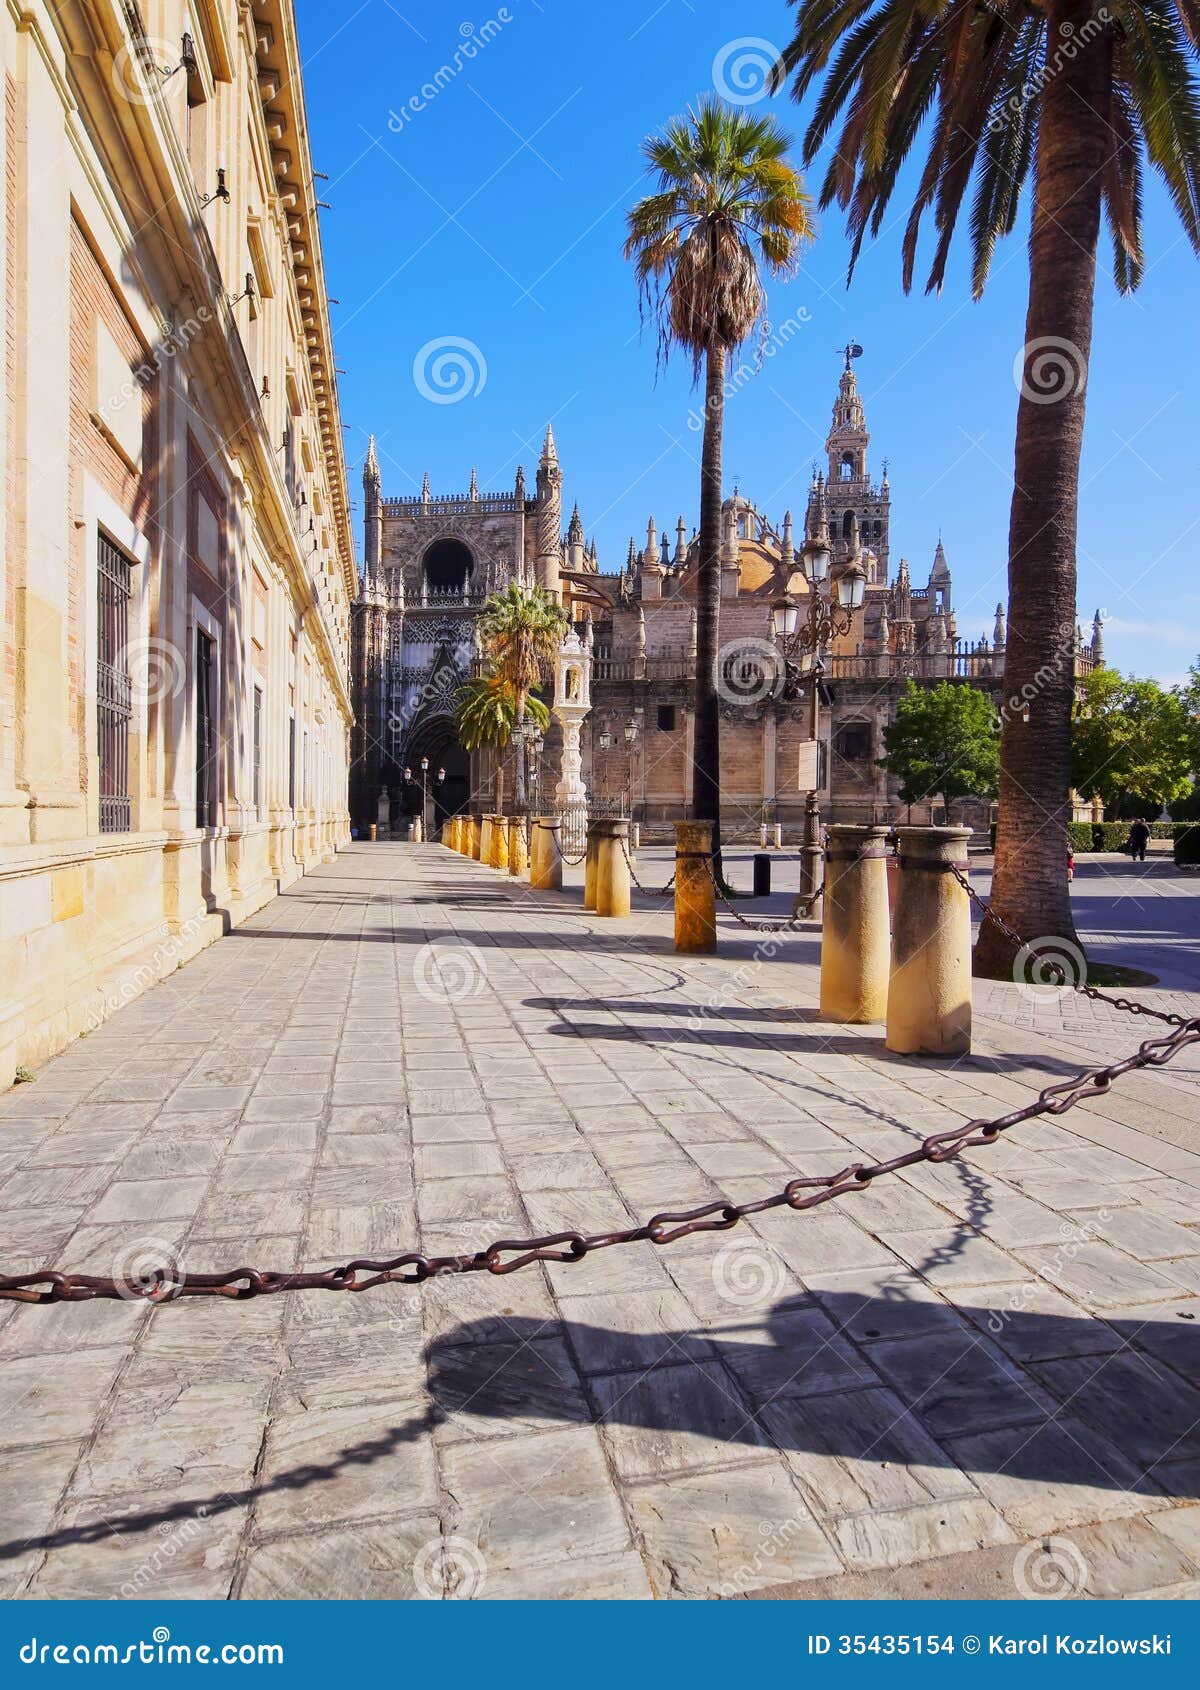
(431, 560)
(175, 609)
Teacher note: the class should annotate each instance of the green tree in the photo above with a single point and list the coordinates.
(521, 629)
(727, 202)
(1133, 742)
(1079, 97)
(944, 742)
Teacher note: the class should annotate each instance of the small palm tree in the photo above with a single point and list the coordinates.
(486, 713)
(727, 202)
(521, 629)
(1083, 96)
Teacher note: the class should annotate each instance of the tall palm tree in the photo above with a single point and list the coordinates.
(1083, 95)
(521, 629)
(727, 202)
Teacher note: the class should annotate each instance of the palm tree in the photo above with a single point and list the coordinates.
(1084, 97)
(486, 713)
(727, 201)
(521, 629)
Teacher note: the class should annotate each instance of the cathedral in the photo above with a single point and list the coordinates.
(431, 560)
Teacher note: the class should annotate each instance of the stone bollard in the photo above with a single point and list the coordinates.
(450, 824)
(374, 832)
(460, 835)
(777, 836)
(613, 884)
(635, 836)
(695, 893)
(545, 854)
(475, 838)
(518, 846)
(417, 831)
(855, 945)
(929, 994)
(485, 839)
(590, 860)
(499, 847)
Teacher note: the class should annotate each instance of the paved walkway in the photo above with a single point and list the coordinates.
(978, 1378)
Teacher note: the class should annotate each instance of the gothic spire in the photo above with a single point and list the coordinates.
(473, 495)
(549, 449)
(425, 493)
(575, 531)
(371, 476)
(999, 631)
(1098, 638)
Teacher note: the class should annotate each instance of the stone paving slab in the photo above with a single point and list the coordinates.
(903, 1392)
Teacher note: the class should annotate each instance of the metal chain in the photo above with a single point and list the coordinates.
(650, 891)
(507, 1255)
(812, 900)
(1056, 969)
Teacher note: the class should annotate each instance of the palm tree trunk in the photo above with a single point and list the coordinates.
(520, 803)
(706, 745)
(1030, 887)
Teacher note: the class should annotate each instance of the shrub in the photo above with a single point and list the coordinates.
(1079, 836)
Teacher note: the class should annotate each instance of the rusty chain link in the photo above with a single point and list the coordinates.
(1053, 967)
(507, 1255)
(811, 900)
(163, 1285)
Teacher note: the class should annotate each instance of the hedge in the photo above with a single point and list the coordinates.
(1111, 836)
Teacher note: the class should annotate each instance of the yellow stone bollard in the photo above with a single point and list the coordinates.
(460, 835)
(613, 884)
(485, 839)
(855, 938)
(448, 833)
(499, 853)
(417, 835)
(695, 893)
(929, 994)
(518, 846)
(590, 861)
(545, 856)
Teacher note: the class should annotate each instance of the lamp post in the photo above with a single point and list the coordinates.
(438, 778)
(830, 612)
(631, 739)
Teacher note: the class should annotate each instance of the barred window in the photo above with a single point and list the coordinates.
(256, 752)
(114, 693)
(206, 738)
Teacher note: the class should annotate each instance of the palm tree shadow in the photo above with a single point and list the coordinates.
(888, 1380)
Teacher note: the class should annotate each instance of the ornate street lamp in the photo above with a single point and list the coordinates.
(806, 629)
(439, 777)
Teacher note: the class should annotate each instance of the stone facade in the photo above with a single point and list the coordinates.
(179, 560)
(414, 646)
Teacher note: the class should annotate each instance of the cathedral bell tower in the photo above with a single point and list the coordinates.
(849, 491)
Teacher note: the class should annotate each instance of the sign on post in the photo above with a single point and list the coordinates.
(809, 763)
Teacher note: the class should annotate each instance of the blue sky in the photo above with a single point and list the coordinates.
(492, 215)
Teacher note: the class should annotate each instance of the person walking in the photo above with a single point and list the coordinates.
(1139, 838)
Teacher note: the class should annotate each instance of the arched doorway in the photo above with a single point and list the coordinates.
(437, 740)
(448, 566)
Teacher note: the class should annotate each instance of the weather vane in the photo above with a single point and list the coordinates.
(850, 351)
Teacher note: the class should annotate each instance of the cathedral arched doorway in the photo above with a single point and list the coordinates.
(448, 566)
(437, 740)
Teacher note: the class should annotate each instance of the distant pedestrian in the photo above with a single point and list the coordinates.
(1139, 838)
